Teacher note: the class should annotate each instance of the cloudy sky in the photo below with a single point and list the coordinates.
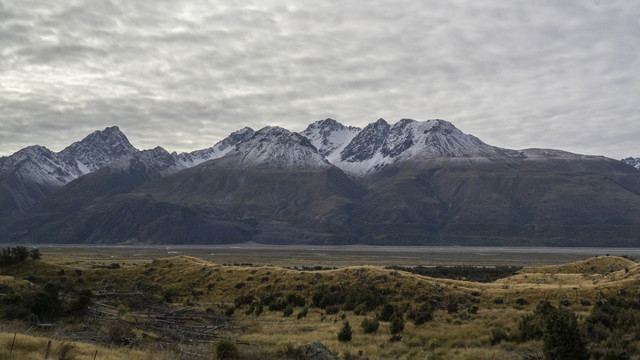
(184, 74)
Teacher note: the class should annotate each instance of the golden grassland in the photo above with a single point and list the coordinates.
(201, 286)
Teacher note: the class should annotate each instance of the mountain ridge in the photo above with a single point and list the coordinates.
(408, 183)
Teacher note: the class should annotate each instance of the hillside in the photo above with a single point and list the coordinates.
(443, 318)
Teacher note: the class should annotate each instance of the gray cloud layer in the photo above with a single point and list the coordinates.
(184, 74)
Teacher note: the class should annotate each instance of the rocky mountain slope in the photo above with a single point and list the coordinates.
(33, 173)
(635, 162)
(408, 183)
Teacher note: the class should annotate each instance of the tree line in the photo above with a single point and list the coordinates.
(18, 254)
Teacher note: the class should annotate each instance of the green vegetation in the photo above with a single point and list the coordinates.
(345, 332)
(469, 273)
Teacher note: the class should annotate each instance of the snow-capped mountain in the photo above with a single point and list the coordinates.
(278, 148)
(33, 173)
(276, 186)
(380, 144)
(41, 165)
(154, 162)
(330, 137)
(217, 151)
(97, 150)
(633, 162)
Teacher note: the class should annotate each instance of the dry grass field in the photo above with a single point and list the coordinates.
(180, 307)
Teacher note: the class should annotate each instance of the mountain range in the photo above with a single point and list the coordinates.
(408, 183)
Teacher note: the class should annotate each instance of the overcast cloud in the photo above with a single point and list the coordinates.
(184, 74)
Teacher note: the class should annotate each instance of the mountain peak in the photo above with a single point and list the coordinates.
(380, 144)
(330, 137)
(97, 150)
(218, 150)
(275, 147)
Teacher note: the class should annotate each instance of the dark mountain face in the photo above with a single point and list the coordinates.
(561, 202)
(367, 142)
(216, 202)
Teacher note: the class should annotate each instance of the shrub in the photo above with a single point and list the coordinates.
(562, 339)
(295, 300)
(122, 309)
(387, 312)
(397, 324)
(522, 302)
(225, 349)
(35, 254)
(558, 329)
(370, 326)
(119, 333)
(421, 315)
(497, 336)
(278, 305)
(243, 300)
(259, 309)
(288, 311)
(303, 313)
(345, 333)
(330, 310)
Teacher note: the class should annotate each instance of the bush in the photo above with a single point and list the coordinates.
(122, 309)
(522, 302)
(498, 336)
(387, 312)
(119, 333)
(225, 349)
(288, 311)
(303, 313)
(397, 324)
(422, 315)
(243, 300)
(370, 326)
(330, 310)
(562, 339)
(558, 329)
(278, 305)
(345, 333)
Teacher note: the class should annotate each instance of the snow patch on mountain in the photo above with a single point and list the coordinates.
(278, 148)
(635, 162)
(330, 137)
(219, 150)
(155, 162)
(380, 144)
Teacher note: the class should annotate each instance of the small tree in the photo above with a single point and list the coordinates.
(35, 254)
(562, 338)
(345, 333)
(397, 324)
